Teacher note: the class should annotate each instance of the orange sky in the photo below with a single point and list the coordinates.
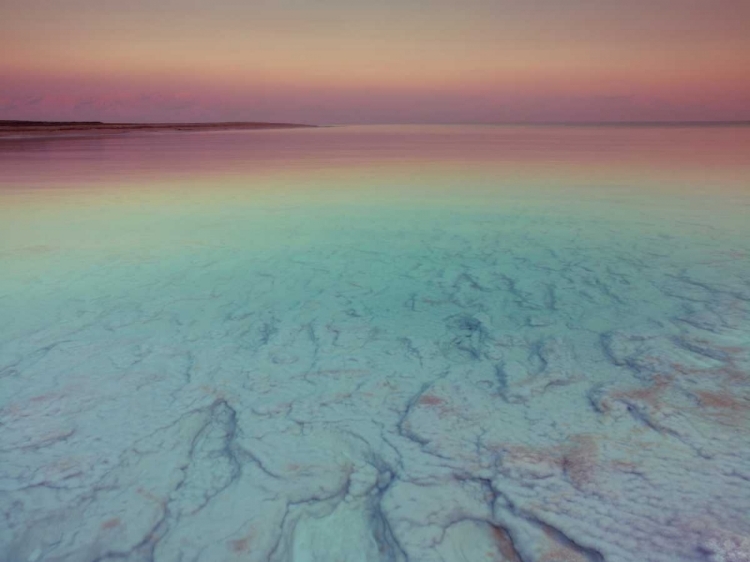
(334, 61)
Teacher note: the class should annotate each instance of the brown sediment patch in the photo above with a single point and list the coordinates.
(724, 407)
(504, 544)
(44, 397)
(558, 552)
(687, 370)
(580, 460)
(439, 405)
(524, 454)
(735, 374)
(111, 523)
(624, 466)
(561, 554)
(240, 545)
(728, 355)
(431, 400)
(722, 401)
(650, 395)
(733, 351)
(729, 372)
(728, 349)
(577, 459)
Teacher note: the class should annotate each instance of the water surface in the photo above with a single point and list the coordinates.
(443, 343)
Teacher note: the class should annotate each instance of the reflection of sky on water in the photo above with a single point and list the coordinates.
(377, 344)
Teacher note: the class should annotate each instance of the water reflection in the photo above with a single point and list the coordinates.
(377, 344)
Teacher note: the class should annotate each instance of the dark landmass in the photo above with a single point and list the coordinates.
(33, 128)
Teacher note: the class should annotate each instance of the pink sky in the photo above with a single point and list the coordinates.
(333, 61)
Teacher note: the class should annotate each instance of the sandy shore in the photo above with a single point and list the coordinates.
(45, 128)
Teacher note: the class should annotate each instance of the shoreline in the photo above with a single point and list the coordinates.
(28, 129)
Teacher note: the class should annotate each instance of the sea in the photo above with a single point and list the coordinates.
(376, 343)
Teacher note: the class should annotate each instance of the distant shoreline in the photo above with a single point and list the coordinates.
(33, 128)
(30, 129)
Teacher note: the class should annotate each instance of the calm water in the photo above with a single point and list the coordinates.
(518, 344)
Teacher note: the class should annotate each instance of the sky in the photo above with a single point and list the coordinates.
(385, 61)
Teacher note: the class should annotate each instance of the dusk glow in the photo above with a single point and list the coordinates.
(342, 62)
(374, 281)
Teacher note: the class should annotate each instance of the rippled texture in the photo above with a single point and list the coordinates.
(377, 344)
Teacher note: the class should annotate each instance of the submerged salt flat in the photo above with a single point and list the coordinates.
(448, 344)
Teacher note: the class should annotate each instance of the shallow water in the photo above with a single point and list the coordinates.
(515, 344)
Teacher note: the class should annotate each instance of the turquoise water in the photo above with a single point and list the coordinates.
(376, 343)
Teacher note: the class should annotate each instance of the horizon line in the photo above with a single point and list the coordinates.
(568, 123)
(639, 123)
